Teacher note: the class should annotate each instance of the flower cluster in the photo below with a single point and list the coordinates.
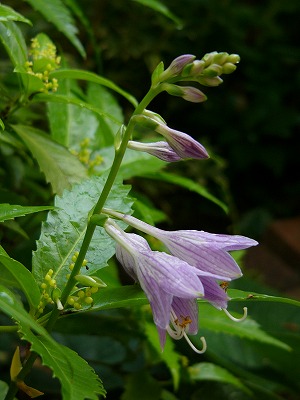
(197, 263)
(178, 145)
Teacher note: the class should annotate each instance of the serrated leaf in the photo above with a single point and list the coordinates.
(187, 184)
(92, 77)
(61, 168)
(216, 321)
(9, 211)
(8, 14)
(78, 380)
(63, 232)
(206, 371)
(17, 275)
(59, 15)
(162, 9)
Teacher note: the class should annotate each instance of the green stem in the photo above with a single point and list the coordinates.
(119, 154)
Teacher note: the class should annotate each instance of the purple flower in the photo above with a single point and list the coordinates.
(161, 150)
(176, 66)
(188, 93)
(173, 282)
(184, 145)
(208, 252)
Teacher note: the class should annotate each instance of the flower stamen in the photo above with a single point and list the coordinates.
(236, 319)
(181, 328)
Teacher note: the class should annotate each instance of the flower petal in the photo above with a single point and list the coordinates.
(187, 307)
(214, 293)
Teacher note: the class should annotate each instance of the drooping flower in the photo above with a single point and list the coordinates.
(168, 279)
(171, 284)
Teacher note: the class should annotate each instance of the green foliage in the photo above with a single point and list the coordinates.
(71, 73)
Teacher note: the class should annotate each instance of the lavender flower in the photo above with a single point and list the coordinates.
(176, 66)
(184, 145)
(188, 93)
(160, 150)
(173, 282)
(180, 143)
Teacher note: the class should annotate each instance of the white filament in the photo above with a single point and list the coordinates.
(236, 319)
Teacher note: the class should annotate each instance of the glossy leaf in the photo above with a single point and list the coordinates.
(189, 184)
(13, 42)
(13, 273)
(8, 14)
(239, 295)
(63, 232)
(9, 211)
(61, 168)
(70, 124)
(162, 9)
(206, 371)
(92, 77)
(58, 98)
(134, 163)
(59, 15)
(215, 320)
(77, 378)
(125, 296)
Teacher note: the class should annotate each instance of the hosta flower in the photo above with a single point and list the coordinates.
(181, 143)
(172, 283)
(208, 252)
(161, 150)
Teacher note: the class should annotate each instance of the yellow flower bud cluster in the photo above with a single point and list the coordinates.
(84, 156)
(43, 60)
(82, 297)
(47, 287)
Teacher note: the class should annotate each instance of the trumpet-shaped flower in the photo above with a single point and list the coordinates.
(173, 282)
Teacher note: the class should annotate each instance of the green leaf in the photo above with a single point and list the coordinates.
(206, 371)
(59, 98)
(17, 275)
(8, 14)
(13, 42)
(135, 163)
(61, 168)
(59, 15)
(9, 211)
(188, 184)
(63, 232)
(169, 355)
(141, 385)
(239, 295)
(2, 126)
(68, 122)
(91, 77)
(77, 378)
(161, 8)
(216, 321)
(124, 296)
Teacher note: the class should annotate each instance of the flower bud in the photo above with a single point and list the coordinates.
(233, 58)
(228, 68)
(87, 280)
(161, 150)
(212, 71)
(176, 66)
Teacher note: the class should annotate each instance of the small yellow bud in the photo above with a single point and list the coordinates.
(88, 300)
(70, 300)
(94, 289)
(71, 267)
(81, 294)
(52, 282)
(44, 285)
(77, 306)
(48, 277)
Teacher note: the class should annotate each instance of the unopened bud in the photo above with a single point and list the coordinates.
(87, 280)
(228, 68)
(213, 70)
